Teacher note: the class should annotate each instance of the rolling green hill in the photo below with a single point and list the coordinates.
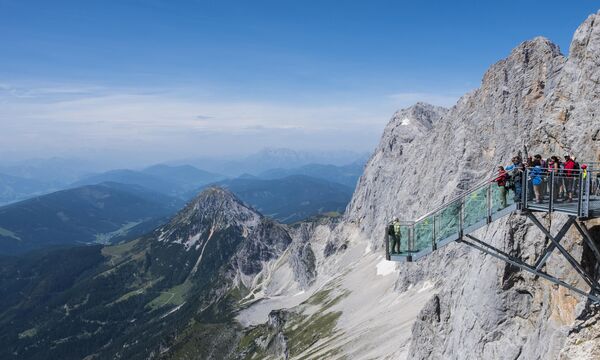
(89, 214)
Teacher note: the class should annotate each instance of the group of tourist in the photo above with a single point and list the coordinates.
(564, 185)
(538, 185)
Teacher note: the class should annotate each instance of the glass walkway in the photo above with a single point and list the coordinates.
(572, 192)
(577, 194)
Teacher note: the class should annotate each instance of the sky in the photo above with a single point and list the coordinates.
(157, 80)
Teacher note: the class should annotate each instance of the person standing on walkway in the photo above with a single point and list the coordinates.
(395, 231)
(552, 166)
(516, 168)
(570, 174)
(501, 180)
(536, 180)
(543, 168)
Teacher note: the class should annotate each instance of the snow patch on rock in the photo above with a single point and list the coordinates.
(385, 267)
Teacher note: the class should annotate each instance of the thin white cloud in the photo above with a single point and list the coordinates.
(162, 121)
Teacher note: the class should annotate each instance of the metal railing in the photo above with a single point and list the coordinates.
(574, 192)
(487, 201)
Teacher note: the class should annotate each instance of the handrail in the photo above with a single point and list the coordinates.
(454, 199)
(482, 184)
(461, 215)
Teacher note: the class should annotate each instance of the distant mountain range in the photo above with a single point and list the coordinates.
(119, 204)
(286, 195)
(14, 188)
(291, 198)
(102, 210)
(347, 174)
(20, 180)
(276, 158)
(169, 180)
(52, 170)
(102, 213)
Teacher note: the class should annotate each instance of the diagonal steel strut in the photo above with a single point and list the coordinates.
(587, 237)
(499, 254)
(548, 252)
(565, 253)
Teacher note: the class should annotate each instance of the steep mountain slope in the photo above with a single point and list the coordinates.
(88, 214)
(292, 198)
(175, 286)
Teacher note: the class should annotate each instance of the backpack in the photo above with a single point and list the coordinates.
(391, 230)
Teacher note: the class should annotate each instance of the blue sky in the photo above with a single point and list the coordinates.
(187, 78)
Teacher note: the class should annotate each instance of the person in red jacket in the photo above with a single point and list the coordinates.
(501, 181)
(570, 174)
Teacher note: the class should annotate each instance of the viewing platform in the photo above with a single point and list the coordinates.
(576, 194)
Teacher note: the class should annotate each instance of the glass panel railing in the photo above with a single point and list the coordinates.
(538, 194)
(594, 179)
(398, 243)
(567, 192)
(423, 237)
(475, 209)
(404, 238)
(447, 222)
(501, 197)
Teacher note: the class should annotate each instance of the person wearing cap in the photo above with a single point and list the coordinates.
(395, 232)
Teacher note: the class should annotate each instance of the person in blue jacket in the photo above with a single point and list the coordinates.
(536, 180)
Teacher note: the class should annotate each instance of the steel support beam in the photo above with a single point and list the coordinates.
(546, 255)
(565, 253)
(499, 254)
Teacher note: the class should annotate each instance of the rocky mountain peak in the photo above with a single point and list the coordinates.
(420, 115)
(409, 123)
(212, 210)
(586, 41)
(526, 74)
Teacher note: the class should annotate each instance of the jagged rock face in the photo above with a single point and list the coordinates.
(268, 241)
(302, 257)
(219, 229)
(486, 309)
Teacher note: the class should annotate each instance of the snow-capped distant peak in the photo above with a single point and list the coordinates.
(405, 121)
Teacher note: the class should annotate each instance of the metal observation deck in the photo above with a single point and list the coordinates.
(576, 194)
